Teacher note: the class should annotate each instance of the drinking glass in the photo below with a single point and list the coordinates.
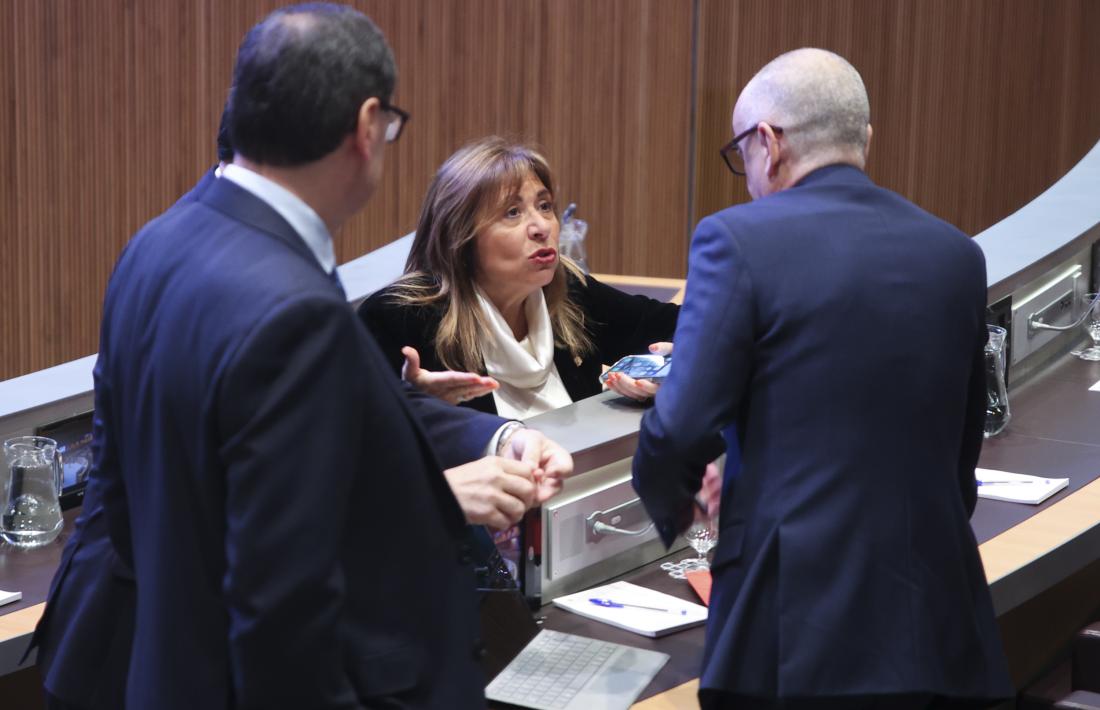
(702, 536)
(571, 242)
(31, 515)
(997, 412)
(1092, 327)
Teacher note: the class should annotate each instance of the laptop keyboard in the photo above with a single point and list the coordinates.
(551, 670)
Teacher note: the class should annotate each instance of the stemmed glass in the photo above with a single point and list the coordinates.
(1092, 327)
(702, 536)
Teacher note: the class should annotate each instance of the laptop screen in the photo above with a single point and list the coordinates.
(507, 625)
(74, 442)
(509, 545)
(502, 554)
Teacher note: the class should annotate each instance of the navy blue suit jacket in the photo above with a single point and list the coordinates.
(270, 484)
(84, 637)
(842, 328)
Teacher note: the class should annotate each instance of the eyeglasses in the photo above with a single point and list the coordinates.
(397, 123)
(735, 159)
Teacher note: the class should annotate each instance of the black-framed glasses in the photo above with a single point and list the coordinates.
(735, 159)
(397, 123)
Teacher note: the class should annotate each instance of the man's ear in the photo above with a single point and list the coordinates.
(368, 130)
(867, 147)
(773, 153)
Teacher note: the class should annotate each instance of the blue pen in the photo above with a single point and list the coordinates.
(612, 604)
(1007, 483)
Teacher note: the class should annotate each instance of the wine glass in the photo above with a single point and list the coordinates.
(1092, 327)
(702, 536)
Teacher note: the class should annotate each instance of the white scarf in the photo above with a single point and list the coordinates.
(529, 380)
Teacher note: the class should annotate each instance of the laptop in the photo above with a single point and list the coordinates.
(549, 670)
(74, 442)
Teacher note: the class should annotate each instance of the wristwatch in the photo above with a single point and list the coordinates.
(506, 433)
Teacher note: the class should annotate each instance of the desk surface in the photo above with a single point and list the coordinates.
(685, 648)
(1053, 433)
(1025, 549)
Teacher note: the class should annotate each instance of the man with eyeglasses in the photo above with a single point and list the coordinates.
(274, 492)
(842, 327)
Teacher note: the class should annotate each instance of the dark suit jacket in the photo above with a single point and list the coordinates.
(842, 328)
(619, 324)
(270, 484)
(83, 638)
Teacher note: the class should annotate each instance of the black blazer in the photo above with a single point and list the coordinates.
(620, 324)
(250, 446)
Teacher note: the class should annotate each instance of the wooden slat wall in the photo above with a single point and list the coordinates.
(977, 105)
(576, 77)
(111, 109)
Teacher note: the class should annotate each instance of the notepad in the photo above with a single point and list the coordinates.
(1016, 487)
(665, 614)
(9, 597)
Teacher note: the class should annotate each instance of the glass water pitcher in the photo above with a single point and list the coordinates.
(997, 413)
(31, 515)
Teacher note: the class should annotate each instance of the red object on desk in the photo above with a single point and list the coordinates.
(699, 579)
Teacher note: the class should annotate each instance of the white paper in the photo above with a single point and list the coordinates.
(9, 597)
(677, 614)
(1016, 487)
(1095, 387)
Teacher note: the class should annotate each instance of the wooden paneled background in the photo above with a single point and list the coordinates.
(977, 105)
(111, 107)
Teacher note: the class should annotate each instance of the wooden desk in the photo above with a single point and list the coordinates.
(1044, 570)
(29, 572)
(1041, 568)
(671, 290)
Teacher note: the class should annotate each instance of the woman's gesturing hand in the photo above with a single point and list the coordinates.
(448, 385)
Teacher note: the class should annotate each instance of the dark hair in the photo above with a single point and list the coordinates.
(225, 145)
(301, 76)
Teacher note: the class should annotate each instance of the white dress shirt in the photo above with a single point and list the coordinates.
(306, 223)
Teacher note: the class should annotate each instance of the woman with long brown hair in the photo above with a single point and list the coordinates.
(488, 313)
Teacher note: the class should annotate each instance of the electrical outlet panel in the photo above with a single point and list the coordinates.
(1054, 303)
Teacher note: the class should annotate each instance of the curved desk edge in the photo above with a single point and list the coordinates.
(66, 389)
(1059, 222)
(682, 697)
(1048, 547)
(15, 633)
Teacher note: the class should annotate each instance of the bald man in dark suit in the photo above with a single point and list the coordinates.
(842, 328)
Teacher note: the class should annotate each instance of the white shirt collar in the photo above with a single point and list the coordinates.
(300, 216)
